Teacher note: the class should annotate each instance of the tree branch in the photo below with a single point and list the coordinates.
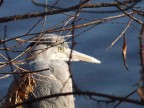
(86, 93)
(58, 11)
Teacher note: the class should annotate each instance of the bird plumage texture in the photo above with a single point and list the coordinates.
(49, 74)
(52, 81)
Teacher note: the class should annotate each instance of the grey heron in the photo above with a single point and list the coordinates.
(49, 52)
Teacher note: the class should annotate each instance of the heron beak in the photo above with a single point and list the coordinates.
(77, 56)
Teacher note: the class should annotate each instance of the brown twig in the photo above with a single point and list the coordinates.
(76, 26)
(130, 16)
(120, 35)
(58, 11)
(83, 93)
(33, 15)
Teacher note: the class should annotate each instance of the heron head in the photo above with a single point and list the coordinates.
(53, 47)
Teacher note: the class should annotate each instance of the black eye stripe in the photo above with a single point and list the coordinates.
(38, 43)
(49, 41)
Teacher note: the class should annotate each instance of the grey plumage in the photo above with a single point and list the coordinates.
(54, 80)
(49, 52)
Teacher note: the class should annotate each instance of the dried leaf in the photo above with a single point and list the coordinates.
(140, 92)
(20, 90)
(124, 52)
(20, 40)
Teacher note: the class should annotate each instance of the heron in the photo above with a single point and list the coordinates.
(49, 53)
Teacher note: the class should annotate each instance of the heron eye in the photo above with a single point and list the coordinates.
(61, 49)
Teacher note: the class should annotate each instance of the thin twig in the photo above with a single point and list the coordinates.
(124, 98)
(58, 11)
(86, 93)
(5, 76)
(130, 16)
(76, 26)
(120, 35)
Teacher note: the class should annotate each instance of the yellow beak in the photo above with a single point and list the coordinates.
(77, 56)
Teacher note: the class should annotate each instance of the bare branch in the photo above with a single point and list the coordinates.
(58, 11)
(120, 35)
(86, 93)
